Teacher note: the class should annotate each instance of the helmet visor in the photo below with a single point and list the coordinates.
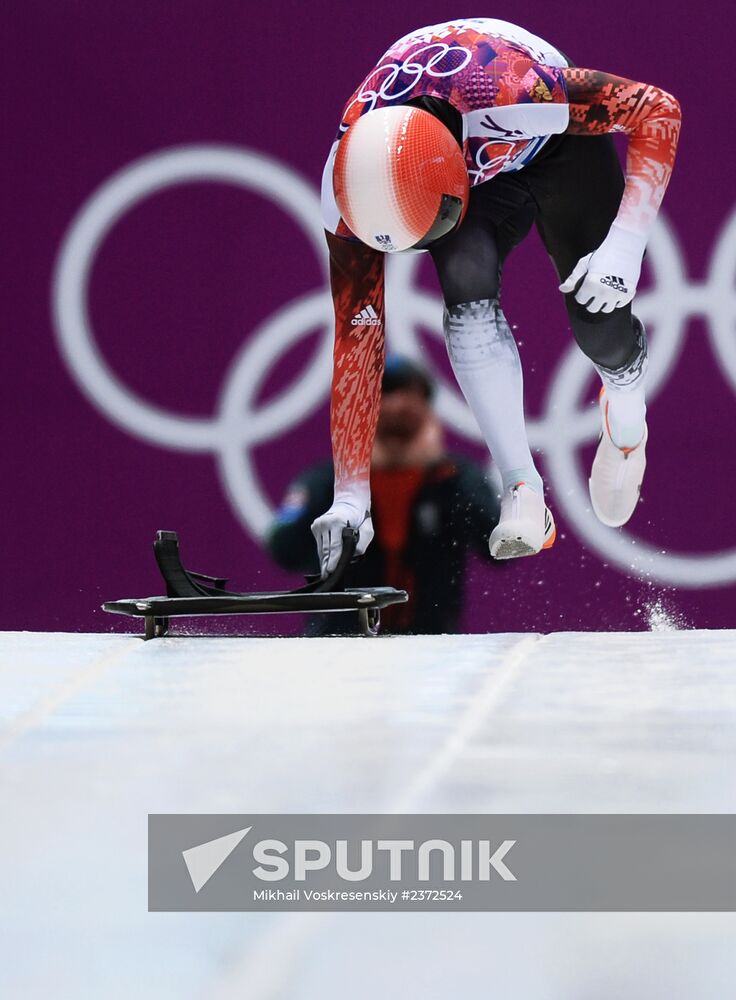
(448, 218)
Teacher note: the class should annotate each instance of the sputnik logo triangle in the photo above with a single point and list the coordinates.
(205, 859)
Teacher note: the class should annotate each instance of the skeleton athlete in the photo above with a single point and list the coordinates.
(462, 137)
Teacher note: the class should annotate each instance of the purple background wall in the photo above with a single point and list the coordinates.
(185, 277)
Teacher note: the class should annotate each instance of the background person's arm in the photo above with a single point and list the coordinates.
(289, 540)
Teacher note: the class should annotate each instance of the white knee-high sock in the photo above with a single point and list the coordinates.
(625, 392)
(487, 366)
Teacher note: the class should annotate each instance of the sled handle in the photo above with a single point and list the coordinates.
(333, 582)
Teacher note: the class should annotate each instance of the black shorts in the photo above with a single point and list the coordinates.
(572, 192)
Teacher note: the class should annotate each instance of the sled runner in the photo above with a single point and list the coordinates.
(190, 594)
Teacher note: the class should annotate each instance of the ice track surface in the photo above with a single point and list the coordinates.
(99, 730)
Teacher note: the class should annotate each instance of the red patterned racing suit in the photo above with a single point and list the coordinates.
(513, 93)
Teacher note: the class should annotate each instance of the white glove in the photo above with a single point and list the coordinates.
(327, 531)
(610, 275)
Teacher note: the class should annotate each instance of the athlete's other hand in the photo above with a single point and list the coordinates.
(607, 279)
(327, 531)
(599, 291)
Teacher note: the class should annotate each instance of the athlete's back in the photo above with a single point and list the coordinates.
(504, 82)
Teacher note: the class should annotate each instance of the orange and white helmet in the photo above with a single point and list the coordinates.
(400, 179)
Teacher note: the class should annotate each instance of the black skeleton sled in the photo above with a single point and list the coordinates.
(190, 594)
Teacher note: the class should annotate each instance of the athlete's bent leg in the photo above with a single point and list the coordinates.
(616, 343)
(480, 344)
(578, 187)
(486, 363)
(487, 366)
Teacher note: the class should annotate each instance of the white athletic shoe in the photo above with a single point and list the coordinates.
(617, 474)
(525, 526)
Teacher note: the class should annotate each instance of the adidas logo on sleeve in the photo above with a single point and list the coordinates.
(366, 317)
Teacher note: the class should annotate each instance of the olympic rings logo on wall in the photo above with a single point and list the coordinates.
(238, 425)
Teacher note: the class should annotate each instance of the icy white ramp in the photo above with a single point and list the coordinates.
(96, 731)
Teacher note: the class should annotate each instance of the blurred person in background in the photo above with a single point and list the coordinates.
(429, 508)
